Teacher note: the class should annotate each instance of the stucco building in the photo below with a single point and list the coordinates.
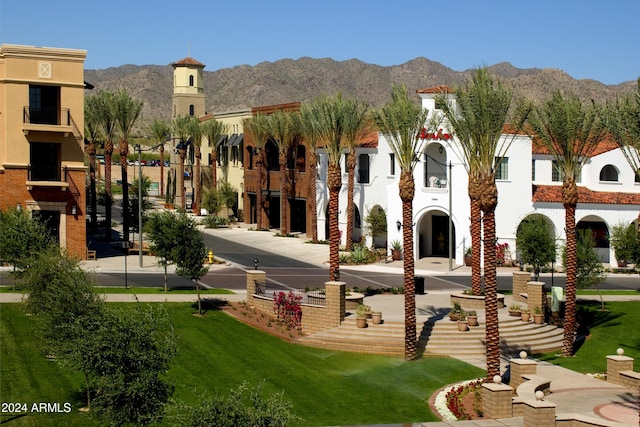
(41, 138)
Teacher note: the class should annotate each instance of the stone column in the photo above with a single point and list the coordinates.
(538, 413)
(335, 309)
(535, 295)
(520, 279)
(496, 400)
(254, 276)
(617, 364)
(520, 367)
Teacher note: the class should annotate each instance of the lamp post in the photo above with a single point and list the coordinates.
(138, 148)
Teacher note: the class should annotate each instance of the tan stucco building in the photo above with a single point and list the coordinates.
(41, 138)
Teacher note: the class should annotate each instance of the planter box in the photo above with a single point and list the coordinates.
(473, 302)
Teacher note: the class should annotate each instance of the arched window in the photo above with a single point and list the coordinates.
(609, 173)
(192, 110)
(191, 80)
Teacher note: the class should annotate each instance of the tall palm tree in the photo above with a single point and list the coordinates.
(571, 132)
(337, 121)
(196, 133)
(401, 122)
(212, 130)
(482, 109)
(258, 127)
(126, 113)
(92, 132)
(283, 130)
(180, 131)
(623, 121)
(105, 114)
(160, 131)
(310, 134)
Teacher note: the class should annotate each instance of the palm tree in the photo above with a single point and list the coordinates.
(337, 121)
(103, 111)
(309, 132)
(196, 133)
(180, 130)
(92, 132)
(571, 132)
(623, 121)
(258, 127)
(160, 131)
(213, 129)
(126, 112)
(283, 131)
(401, 122)
(478, 118)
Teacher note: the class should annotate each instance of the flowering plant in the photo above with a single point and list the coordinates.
(287, 309)
(449, 402)
(502, 250)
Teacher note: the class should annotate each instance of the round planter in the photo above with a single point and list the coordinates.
(622, 264)
(376, 317)
(472, 320)
(396, 254)
(538, 319)
(454, 317)
(361, 322)
(463, 326)
(467, 260)
(525, 316)
(515, 313)
(473, 302)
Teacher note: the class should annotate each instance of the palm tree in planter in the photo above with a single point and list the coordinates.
(571, 132)
(196, 134)
(336, 120)
(180, 130)
(308, 130)
(401, 122)
(213, 130)
(258, 127)
(478, 118)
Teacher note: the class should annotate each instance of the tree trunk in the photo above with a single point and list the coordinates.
(258, 193)
(284, 193)
(124, 152)
(406, 187)
(491, 295)
(313, 160)
(214, 170)
(108, 151)
(162, 170)
(91, 151)
(570, 287)
(197, 197)
(182, 201)
(334, 182)
(476, 247)
(351, 168)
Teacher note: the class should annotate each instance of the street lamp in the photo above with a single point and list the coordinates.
(138, 148)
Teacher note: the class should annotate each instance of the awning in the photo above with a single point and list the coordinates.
(221, 141)
(231, 139)
(237, 140)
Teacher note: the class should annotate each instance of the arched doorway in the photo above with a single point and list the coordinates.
(375, 224)
(433, 235)
(599, 231)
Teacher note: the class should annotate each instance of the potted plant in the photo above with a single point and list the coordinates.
(376, 317)
(472, 318)
(468, 257)
(624, 241)
(525, 314)
(463, 325)
(538, 316)
(515, 310)
(361, 315)
(456, 310)
(396, 250)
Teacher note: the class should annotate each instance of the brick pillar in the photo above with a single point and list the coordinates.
(496, 400)
(535, 295)
(617, 364)
(520, 367)
(538, 413)
(254, 276)
(335, 308)
(520, 279)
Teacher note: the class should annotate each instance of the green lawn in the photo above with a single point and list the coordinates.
(605, 332)
(216, 353)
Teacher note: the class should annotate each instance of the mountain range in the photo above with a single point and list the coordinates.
(304, 79)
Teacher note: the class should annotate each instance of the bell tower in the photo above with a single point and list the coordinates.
(188, 88)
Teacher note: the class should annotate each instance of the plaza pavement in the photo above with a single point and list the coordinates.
(572, 392)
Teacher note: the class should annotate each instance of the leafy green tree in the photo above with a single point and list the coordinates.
(161, 229)
(189, 251)
(625, 242)
(211, 202)
(401, 122)
(590, 271)
(133, 202)
(137, 346)
(571, 132)
(244, 406)
(535, 242)
(376, 224)
(227, 194)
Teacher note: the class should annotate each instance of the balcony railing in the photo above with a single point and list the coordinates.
(47, 176)
(46, 116)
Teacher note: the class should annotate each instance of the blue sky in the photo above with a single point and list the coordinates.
(587, 39)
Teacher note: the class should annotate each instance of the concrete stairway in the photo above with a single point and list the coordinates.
(438, 338)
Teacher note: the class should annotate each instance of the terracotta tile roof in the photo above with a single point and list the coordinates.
(607, 144)
(188, 61)
(553, 194)
(270, 109)
(436, 89)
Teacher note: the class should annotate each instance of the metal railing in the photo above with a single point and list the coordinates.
(46, 116)
(312, 297)
(47, 173)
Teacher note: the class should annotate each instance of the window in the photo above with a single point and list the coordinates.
(609, 173)
(301, 159)
(44, 104)
(637, 177)
(533, 170)
(191, 110)
(346, 160)
(363, 168)
(557, 174)
(191, 80)
(250, 156)
(45, 161)
(502, 168)
(392, 164)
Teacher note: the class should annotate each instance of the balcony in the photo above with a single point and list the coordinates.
(47, 176)
(49, 120)
(436, 180)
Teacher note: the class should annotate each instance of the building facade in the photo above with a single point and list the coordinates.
(41, 139)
